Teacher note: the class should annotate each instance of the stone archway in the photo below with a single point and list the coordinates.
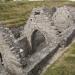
(38, 41)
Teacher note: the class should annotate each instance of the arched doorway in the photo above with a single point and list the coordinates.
(38, 41)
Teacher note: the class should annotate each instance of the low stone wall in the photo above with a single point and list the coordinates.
(37, 69)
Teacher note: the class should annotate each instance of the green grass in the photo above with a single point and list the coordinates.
(16, 13)
(64, 65)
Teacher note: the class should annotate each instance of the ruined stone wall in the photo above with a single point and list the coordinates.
(26, 51)
(58, 28)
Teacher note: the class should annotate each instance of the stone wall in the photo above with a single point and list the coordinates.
(31, 46)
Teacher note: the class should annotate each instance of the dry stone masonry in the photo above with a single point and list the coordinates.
(25, 50)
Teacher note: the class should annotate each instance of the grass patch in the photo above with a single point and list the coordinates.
(17, 13)
(70, 59)
(61, 70)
